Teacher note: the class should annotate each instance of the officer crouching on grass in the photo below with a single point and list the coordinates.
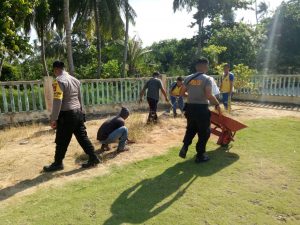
(198, 89)
(67, 118)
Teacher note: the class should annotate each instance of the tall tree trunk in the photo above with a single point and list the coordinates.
(200, 23)
(43, 55)
(200, 30)
(67, 23)
(126, 38)
(1, 64)
(98, 41)
(256, 14)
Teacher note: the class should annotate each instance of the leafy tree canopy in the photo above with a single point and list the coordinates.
(13, 14)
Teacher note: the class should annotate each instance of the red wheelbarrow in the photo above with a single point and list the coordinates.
(225, 128)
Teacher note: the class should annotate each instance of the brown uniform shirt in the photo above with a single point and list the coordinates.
(67, 95)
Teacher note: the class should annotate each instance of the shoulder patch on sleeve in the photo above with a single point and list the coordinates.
(57, 92)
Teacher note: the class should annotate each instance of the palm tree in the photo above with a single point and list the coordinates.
(104, 19)
(129, 17)
(135, 54)
(199, 16)
(41, 20)
(97, 22)
(208, 9)
(67, 23)
(101, 18)
(261, 10)
(56, 44)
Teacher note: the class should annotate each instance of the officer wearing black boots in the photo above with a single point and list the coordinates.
(198, 89)
(67, 118)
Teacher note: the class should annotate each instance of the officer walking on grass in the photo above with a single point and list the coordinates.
(67, 118)
(198, 89)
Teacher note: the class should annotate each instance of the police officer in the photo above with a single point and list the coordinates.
(198, 89)
(67, 118)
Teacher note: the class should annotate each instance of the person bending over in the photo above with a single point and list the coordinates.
(114, 130)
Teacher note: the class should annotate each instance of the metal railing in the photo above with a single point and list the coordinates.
(275, 85)
(28, 96)
(111, 91)
(21, 96)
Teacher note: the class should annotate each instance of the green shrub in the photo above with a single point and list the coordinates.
(10, 73)
(111, 69)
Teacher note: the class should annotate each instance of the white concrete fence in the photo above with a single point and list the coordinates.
(30, 100)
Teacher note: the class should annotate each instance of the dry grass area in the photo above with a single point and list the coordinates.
(26, 149)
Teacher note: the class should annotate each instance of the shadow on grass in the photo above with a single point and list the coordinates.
(104, 155)
(150, 197)
(8, 192)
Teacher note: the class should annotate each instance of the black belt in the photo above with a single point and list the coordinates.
(72, 111)
(197, 106)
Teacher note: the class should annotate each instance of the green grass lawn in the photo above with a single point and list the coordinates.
(256, 182)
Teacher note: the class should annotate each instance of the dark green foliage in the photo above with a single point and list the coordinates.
(10, 72)
(285, 35)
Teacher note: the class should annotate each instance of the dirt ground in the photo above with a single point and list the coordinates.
(25, 150)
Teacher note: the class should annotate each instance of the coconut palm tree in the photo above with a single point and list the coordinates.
(67, 23)
(62, 13)
(130, 14)
(135, 54)
(40, 19)
(262, 10)
(103, 18)
(56, 44)
(208, 9)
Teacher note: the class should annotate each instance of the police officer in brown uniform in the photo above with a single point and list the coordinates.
(67, 118)
(199, 93)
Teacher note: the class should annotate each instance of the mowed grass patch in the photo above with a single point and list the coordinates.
(256, 182)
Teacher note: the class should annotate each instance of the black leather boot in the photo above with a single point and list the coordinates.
(183, 151)
(53, 167)
(92, 162)
(201, 158)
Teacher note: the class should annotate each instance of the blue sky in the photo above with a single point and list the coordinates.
(156, 20)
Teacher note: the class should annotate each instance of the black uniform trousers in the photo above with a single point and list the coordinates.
(152, 109)
(69, 123)
(198, 122)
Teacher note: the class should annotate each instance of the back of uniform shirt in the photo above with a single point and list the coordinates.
(196, 86)
(153, 85)
(71, 92)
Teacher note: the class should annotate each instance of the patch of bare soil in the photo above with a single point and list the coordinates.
(25, 150)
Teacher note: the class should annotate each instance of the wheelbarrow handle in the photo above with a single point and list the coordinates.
(218, 109)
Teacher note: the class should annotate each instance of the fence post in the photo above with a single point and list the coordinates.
(164, 82)
(48, 92)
